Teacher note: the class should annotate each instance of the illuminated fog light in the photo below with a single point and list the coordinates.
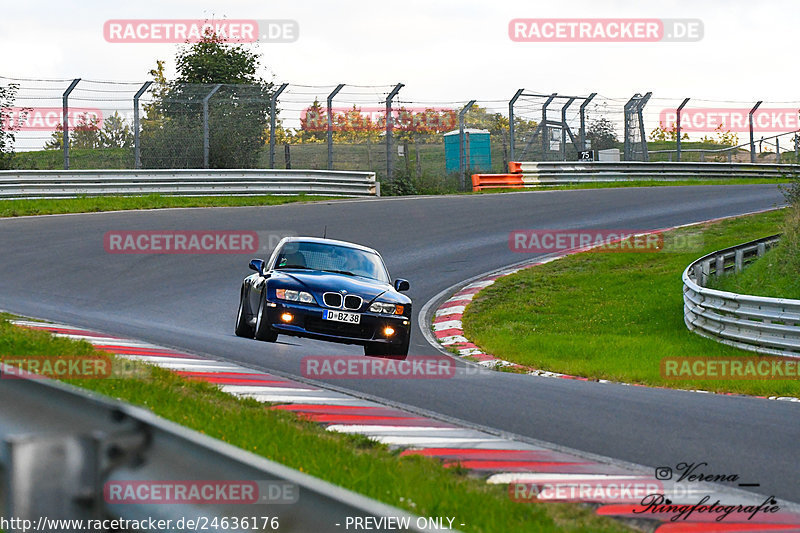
(287, 317)
(388, 331)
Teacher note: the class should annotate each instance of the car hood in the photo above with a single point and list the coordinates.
(318, 282)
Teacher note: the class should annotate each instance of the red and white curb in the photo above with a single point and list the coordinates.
(497, 459)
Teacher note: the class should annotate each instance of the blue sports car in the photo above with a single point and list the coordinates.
(328, 290)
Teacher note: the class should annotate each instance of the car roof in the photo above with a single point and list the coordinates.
(320, 240)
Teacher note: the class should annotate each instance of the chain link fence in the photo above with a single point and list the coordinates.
(412, 146)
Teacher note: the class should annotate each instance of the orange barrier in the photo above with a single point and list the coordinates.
(515, 167)
(497, 181)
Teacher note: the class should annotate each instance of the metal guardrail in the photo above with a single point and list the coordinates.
(556, 173)
(69, 184)
(60, 446)
(757, 323)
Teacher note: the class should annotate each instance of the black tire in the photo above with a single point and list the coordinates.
(374, 349)
(243, 328)
(398, 349)
(263, 330)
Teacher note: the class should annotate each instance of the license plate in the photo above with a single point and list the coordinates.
(341, 316)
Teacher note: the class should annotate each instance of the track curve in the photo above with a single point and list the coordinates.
(55, 267)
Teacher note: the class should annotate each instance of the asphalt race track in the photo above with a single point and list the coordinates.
(56, 268)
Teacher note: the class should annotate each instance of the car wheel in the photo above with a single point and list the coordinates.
(243, 329)
(264, 331)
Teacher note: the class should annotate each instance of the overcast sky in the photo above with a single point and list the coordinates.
(441, 50)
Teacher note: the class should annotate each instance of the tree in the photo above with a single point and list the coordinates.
(116, 133)
(663, 133)
(7, 129)
(85, 134)
(601, 133)
(238, 110)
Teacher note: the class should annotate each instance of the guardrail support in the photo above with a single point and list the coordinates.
(678, 127)
(272, 110)
(330, 124)
(752, 139)
(137, 149)
(206, 141)
(511, 123)
(65, 119)
(461, 155)
(389, 128)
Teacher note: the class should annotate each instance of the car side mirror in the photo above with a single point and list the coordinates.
(401, 285)
(257, 265)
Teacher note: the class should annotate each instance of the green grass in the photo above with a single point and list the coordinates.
(16, 208)
(417, 484)
(774, 274)
(612, 315)
(79, 159)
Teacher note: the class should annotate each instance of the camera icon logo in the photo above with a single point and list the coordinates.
(663, 473)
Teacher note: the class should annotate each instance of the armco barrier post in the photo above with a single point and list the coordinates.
(65, 119)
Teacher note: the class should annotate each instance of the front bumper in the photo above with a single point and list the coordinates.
(307, 322)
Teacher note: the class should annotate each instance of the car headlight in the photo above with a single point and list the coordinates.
(294, 296)
(381, 307)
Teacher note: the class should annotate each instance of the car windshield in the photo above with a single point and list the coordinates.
(331, 258)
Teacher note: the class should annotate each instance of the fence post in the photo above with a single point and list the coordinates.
(206, 142)
(330, 124)
(752, 139)
(796, 146)
(583, 119)
(545, 130)
(642, 133)
(389, 126)
(272, 104)
(461, 113)
(137, 149)
(511, 124)
(564, 128)
(65, 120)
(678, 127)
(777, 149)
